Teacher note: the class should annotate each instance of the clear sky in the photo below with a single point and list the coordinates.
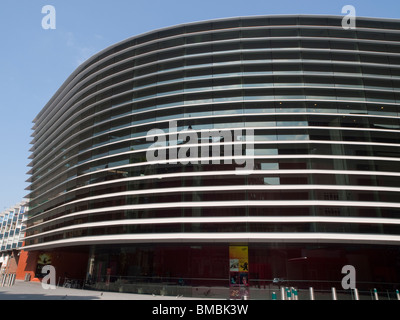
(34, 62)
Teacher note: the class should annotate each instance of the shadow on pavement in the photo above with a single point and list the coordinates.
(36, 296)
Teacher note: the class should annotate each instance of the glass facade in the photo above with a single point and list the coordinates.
(203, 269)
(323, 103)
(12, 228)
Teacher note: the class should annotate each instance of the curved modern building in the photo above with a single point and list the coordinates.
(321, 106)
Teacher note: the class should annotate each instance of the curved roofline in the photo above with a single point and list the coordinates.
(96, 55)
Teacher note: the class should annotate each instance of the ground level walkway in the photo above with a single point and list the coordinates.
(33, 291)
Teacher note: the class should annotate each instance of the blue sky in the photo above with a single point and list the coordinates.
(34, 62)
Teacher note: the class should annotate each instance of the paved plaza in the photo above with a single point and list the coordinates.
(34, 291)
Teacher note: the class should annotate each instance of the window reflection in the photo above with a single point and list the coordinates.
(268, 86)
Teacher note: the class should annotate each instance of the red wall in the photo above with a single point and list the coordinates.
(67, 264)
(27, 264)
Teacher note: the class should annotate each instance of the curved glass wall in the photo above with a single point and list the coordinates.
(322, 103)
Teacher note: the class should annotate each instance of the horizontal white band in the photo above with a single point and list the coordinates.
(233, 172)
(221, 204)
(161, 191)
(252, 157)
(189, 238)
(208, 220)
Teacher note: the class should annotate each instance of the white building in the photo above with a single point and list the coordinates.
(12, 226)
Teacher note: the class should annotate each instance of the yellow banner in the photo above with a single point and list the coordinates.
(239, 258)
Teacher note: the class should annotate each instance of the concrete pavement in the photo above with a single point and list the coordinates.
(34, 291)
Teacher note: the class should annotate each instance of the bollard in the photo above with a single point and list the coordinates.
(356, 296)
(11, 280)
(283, 293)
(274, 296)
(312, 293)
(334, 296)
(376, 294)
(398, 294)
(289, 294)
(296, 296)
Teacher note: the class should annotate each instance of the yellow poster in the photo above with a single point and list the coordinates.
(239, 271)
(239, 258)
(238, 252)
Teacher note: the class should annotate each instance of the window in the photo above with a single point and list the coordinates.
(230, 83)
(251, 22)
(343, 45)
(198, 27)
(198, 38)
(380, 96)
(258, 95)
(319, 81)
(347, 68)
(374, 58)
(231, 70)
(316, 55)
(225, 46)
(323, 68)
(344, 57)
(279, 21)
(258, 81)
(256, 56)
(378, 83)
(253, 44)
(280, 44)
(218, 36)
(227, 96)
(286, 68)
(259, 107)
(372, 47)
(200, 49)
(170, 65)
(199, 61)
(226, 58)
(198, 111)
(371, 35)
(258, 69)
(171, 43)
(348, 82)
(198, 85)
(315, 44)
(257, 33)
(314, 32)
(283, 94)
(341, 33)
(287, 32)
(350, 95)
(226, 24)
(311, 21)
(286, 55)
